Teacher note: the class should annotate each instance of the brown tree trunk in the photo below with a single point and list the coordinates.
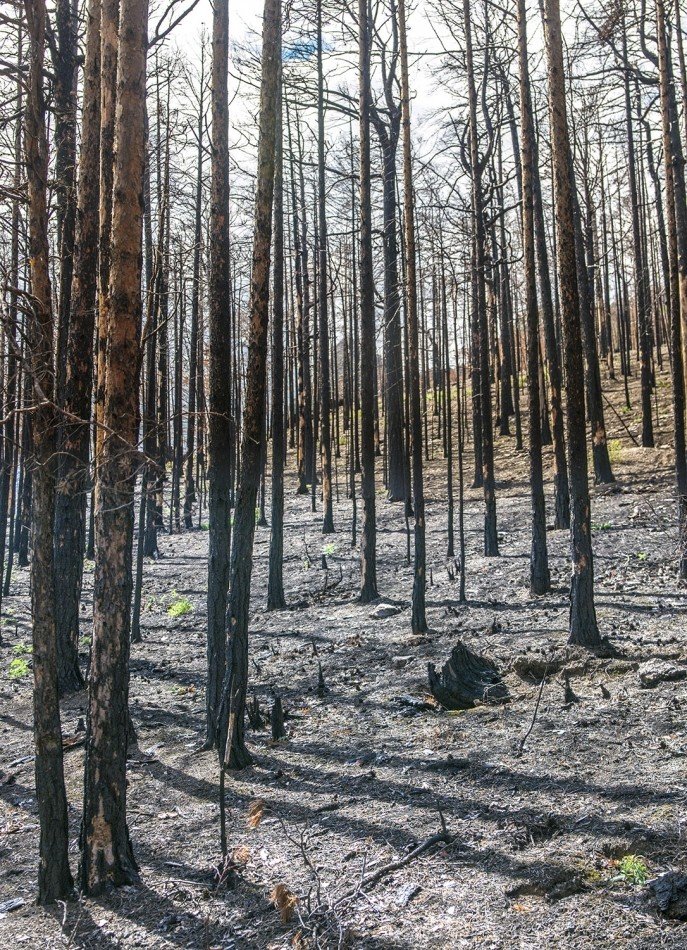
(107, 856)
(54, 876)
(109, 27)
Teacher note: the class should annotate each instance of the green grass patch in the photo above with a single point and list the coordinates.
(18, 669)
(615, 451)
(180, 606)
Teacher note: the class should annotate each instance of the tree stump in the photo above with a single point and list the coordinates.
(277, 720)
(465, 680)
(255, 714)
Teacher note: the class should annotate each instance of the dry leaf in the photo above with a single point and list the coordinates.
(285, 902)
(255, 813)
(241, 855)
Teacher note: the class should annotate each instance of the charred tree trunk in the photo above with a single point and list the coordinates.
(233, 751)
(539, 562)
(107, 856)
(368, 550)
(418, 617)
(583, 627)
(676, 208)
(324, 381)
(73, 480)
(54, 876)
(491, 543)
(220, 429)
(275, 584)
(189, 481)
(561, 494)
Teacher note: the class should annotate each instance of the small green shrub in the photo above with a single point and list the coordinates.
(632, 869)
(19, 649)
(18, 669)
(330, 548)
(602, 526)
(179, 606)
(615, 451)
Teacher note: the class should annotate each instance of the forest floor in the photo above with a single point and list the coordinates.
(554, 846)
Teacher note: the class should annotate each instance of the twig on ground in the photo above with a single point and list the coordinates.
(536, 710)
(371, 879)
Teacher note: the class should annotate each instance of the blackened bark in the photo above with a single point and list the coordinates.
(368, 358)
(642, 296)
(275, 584)
(539, 565)
(583, 627)
(481, 337)
(233, 751)
(54, 876)
(324, 381)
(73, 475)
(189, 481)
(561, 494)
(676, 207)
(65, 70)
(107, 855)
(220, 434)
(418, 617)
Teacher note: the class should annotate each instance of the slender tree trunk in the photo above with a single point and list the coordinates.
(73, 475)
(107, 856)
(220, 429)
(65, 105)
(491, 543)
(539, 563)
(233, 751)
(676, 207)
(275, 585)
(583, 627)
(561, 494)
(109, 27)
(12, 426)
(418, 618)
(640, 265)
(324, 381)
(54, 876)
(368, 359)
(189, 481)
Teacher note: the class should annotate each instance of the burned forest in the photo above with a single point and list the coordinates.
(343, 474)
